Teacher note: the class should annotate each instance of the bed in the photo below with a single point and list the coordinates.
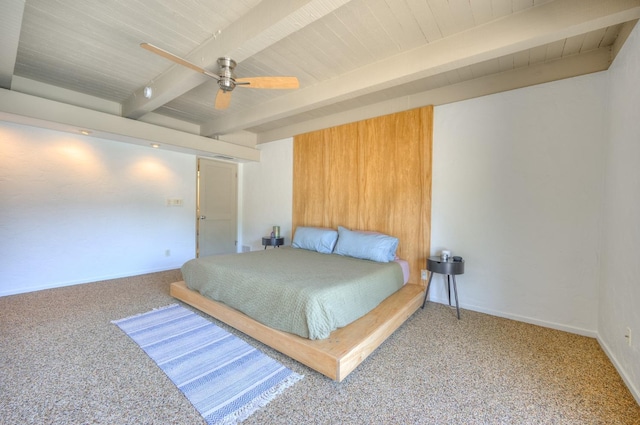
(295, 290)
(373, 174)
(324, 307)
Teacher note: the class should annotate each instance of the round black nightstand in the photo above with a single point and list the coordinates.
(449, 268)
(269, 241)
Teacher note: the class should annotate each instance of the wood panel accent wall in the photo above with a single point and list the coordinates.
(369, 175)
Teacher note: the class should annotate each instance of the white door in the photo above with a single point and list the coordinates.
(217, 207)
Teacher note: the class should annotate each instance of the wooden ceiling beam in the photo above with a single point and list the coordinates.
(10, 25)
(533, 27)
(545, 72)
(269, 22)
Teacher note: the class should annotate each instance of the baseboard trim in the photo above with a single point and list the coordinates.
(627, 380)
(525, 319)
(94, 279)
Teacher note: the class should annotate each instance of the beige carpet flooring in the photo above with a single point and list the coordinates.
(62, 361)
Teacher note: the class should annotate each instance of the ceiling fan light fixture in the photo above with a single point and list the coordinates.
(227, 83)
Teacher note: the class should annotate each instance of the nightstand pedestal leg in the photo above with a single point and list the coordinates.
(455, 292)
(452, 277)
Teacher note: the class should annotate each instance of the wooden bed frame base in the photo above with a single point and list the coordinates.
(334, 357)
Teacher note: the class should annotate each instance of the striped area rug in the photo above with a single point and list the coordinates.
(225, 378)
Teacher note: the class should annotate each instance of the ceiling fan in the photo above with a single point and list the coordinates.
(226, 78)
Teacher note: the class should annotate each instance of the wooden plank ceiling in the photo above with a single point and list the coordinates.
(354, 58)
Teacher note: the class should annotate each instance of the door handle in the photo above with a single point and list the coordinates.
(203, 217)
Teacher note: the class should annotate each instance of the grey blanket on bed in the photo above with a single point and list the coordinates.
(295, 290)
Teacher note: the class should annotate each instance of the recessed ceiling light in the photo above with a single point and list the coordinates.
(85, 132)
(148, 92)
(155, 145)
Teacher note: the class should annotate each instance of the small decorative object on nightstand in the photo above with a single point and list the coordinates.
(449, 266)
(272, 241)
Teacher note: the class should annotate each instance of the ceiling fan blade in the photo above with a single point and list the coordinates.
(223, 99)
(177, 59)
(268, 82)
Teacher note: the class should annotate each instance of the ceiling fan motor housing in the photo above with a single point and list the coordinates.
(227, 80)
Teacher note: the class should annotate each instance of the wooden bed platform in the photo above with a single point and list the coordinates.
(334, 357)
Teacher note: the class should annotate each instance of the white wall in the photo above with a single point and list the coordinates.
(620, 274)
(78, 209)
(517, 188)
(267, 193)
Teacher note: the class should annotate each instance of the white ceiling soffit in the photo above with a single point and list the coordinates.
(355, 59)
(29, 110)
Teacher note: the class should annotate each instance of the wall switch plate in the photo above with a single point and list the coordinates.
(423, 274)
(174, 202)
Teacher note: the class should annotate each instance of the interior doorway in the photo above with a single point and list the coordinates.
(217, 207)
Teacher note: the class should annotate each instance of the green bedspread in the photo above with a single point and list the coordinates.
(295, 290)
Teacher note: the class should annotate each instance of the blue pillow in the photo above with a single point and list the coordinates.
(365, 245)
(315, 239)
